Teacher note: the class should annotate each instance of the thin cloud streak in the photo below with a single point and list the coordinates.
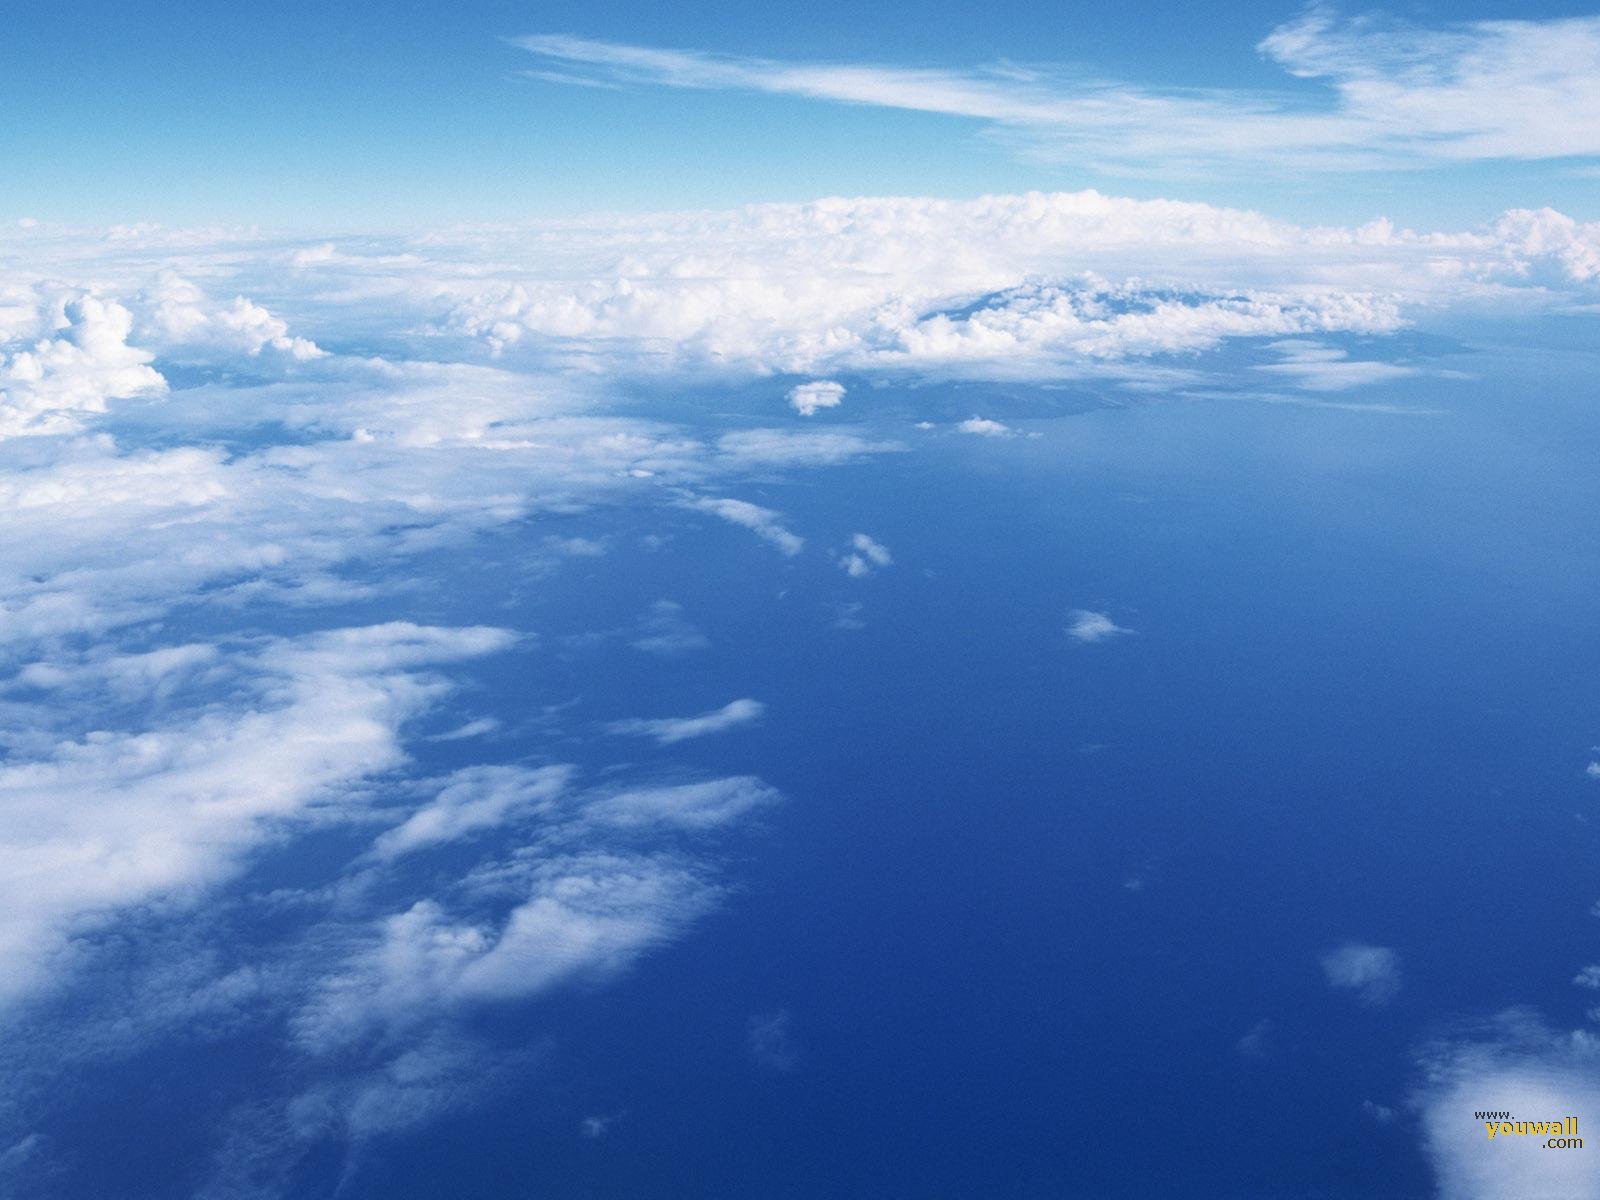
(1396, 96)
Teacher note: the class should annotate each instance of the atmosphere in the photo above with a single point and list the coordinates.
(719, 602)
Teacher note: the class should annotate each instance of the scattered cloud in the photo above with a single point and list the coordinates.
(984, 427)
(808, 399)
(668, 730)
(1372, 973)
(763, 522)
(664, 632)
(864, 556)
(1319, 368)
(1087, 626)
(770, 1040)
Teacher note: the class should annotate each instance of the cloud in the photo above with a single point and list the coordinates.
(223, 815)
(808, 399)
(1256, 1042)
(101, 818)
(1089, 627)
(1397, 96)
(1516, 1064)
(1320, 368)
(984, 427)
(763, 522)
(769, 1038)
(1372, 973)
(667, 730)
(84, 362)
(704, 805)
(474, 799)
(664, 632)
(865, 556)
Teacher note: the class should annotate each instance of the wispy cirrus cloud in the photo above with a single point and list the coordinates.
(1394, 95)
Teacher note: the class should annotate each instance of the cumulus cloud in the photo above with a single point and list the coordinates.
(1371, 973)
(667, 730)
(985, 427)
(1087, 626)
(808, 399)
(864, 556)
(178, 315)
(83, 363)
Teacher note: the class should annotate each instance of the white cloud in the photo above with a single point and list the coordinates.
(704, 805)
(168, 724)
(84, 362)
(1321, 368)
(1399, 96)
(664, 632)
(763, 522)
(1371, 972)
(101, 819)
(984, 427)
(808, 399)
(1515, 1064)
(1088, 626)
(475, 799)
(667, 730)
(865, 556)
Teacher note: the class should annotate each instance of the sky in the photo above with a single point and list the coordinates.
(697, 600)
(313, 116)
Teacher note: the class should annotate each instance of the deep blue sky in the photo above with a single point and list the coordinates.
(398, 114)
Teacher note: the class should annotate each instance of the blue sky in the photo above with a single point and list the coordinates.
(406, 114)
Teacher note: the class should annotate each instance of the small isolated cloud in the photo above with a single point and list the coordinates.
(667, 730)
(664, 632)
(770, 1040)
(480, 727)
(984, 427)
(810, 398)
(1589, 977)
(864, 556)
(1372, 973)
(598, 1127)
(1380, 1113)
(1254, 1044)
(848, 617)
(1087, 626)
(1321, 368)
(1592, 770)
(763, 522)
